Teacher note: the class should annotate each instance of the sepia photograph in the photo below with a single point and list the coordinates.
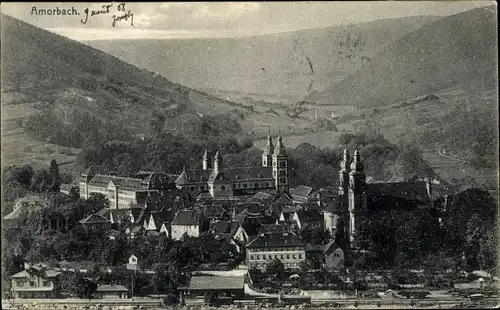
(279, 155)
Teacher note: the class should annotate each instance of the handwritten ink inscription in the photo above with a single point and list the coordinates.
(121, 14)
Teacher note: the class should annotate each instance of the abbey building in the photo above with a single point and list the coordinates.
(217, 181)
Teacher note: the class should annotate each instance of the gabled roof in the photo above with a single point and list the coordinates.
(111, 288)
(94, 219)
(193, 176)
(301, 191)
(291, 209)
(235, 225)
(164, 217)
(306, 216)
(216, 282)
(273, 228)
(215, 212)
(220, 227)
(263, 196)
(17, 214)
(329, 247)
(276, 240)
(125, 183)
(248, 173)
(21, 275)
(187, 218)
(218, 178)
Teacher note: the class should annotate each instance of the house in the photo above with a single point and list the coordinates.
(287, 213)
(95, 221)
(334, 257)
(204, 288)
(111, 292)
(301, 194)
(121, 191)
(326, 195)
(229, 230)
(23, 208)
(134, 230)
(159, 222)
(36, 281)
(187, 222)
(308, 221)
(66, 188)
(283, 246)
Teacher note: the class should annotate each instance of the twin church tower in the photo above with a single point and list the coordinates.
(277, 159)
(351, 197)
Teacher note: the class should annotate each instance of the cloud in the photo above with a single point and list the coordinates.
(236, 18)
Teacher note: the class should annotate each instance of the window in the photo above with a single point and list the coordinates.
(20, 283)
(294, 256)
(258, 256)
(32, 283)
(288, 256)
(223, 188)
(252, 256)
(300, 256)
(245, 185)
(192, 188)
(256, 185)
(282, 256)
(46, 283)
(264, 256)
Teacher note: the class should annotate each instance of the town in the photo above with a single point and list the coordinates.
(250, 155)
(237, 235)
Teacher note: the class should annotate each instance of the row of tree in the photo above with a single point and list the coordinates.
(465, 233)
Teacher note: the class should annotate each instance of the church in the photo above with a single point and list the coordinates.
(356, 198)
(217, 181)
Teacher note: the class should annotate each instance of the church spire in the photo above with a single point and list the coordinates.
(357, 164)
(269, 150)
(217, 162)
(206, 161)
(280, 148)
(346, 161)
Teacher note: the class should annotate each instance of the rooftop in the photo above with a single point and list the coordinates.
(112, 288)
(216, 283)
(276, 240)
(187, 218)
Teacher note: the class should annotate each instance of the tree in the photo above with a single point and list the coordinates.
(276, 269)
(55, 176)
(75, 284)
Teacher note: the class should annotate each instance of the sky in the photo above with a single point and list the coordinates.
(218, 19)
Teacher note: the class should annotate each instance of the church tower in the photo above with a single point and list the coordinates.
(207, 163)
(280, 166)
(345, 168)
(357, 193)
(217, 163)
(267, 156)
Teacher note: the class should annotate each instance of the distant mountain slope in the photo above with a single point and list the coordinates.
(270, 64)
(459, 50)
(61, 74)
(54, 86)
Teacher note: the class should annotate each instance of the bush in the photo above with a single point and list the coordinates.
(170, 299)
